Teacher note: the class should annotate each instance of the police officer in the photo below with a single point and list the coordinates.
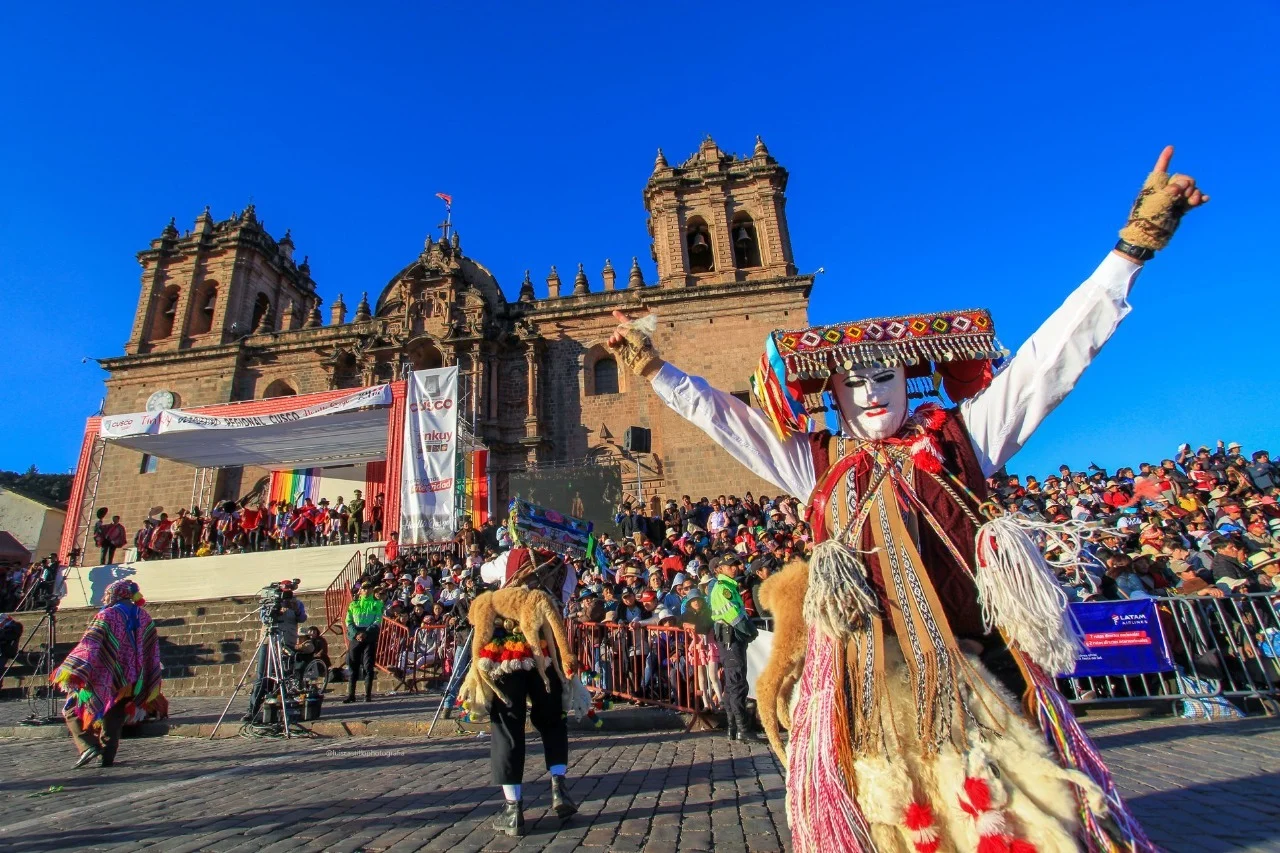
(364, 618)
(733, 631)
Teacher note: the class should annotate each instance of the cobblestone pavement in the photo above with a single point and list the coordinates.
(1196, 786)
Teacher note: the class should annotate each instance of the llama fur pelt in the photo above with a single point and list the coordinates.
(536, 616)
(782, 594)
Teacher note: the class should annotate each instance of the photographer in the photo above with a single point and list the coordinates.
(364, 618)
(280, 610)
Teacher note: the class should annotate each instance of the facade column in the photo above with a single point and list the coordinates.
(531, 360)
(491, 383)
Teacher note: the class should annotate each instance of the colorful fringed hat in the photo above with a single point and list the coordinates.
(955, 352)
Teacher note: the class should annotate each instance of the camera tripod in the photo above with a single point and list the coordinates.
(42, 669)
(455, 681)
(273, 672)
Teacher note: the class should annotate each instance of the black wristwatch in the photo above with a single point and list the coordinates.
(1138, 253)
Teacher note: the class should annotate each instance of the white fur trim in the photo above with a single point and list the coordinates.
(990, 822)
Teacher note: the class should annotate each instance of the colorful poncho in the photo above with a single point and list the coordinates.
(117, 660)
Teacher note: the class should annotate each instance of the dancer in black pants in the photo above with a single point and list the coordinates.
(525, 689)
(504, 677)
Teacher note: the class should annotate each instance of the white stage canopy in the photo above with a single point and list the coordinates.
(348, 429)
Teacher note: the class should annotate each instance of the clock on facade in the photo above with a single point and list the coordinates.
(159, 401)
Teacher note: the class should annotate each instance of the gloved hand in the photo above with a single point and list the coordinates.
(1160, 204)
(633, 342)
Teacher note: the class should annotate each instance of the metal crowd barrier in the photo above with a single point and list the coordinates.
(648, 664)
(337, 596)
(1222, 647)
(399, 650)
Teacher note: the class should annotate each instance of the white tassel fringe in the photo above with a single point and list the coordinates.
(839, 597)
(1020, 594)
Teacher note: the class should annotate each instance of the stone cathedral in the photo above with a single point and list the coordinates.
(227, 312)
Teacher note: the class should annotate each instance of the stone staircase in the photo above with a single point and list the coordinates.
(204, 645)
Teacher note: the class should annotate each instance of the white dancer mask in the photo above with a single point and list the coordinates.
(872, 401)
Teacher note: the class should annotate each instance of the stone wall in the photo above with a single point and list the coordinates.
(204, 645)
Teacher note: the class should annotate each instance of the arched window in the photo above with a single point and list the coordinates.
(424, 355)
(746, 245)
(697, 240)
(167, 310)
(604, 376)
(206, 304)
(279, 388)
(261, 306)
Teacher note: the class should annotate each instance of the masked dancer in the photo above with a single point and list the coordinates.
(899, 648)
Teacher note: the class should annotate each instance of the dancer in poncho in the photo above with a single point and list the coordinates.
(112, 676)
(900, 647)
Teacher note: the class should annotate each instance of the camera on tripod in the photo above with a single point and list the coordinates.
(271, 601)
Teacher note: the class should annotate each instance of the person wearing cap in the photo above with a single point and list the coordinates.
(113, 676)
(629, 608)
(732, 626)
(355, 518)
(364, 619)
(291, 614)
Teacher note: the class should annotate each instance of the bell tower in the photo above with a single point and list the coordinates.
(719, 218)
(219, 283)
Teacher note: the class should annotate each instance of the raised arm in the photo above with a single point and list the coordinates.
(1046, 368)
(743, 432)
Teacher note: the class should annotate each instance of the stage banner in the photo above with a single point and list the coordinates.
(1120, 638)
(177, 420)
(430, 457)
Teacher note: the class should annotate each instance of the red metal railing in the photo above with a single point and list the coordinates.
(337, 598)
(424, 655)
(671, 667)
(393, 644)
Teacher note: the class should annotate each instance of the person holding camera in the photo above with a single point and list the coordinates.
(288, 614)
(733, 631)
(364, 618)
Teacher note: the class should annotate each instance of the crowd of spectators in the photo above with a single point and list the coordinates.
(1203, 523)
(246, 526)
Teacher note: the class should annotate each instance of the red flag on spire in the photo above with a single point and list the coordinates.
(448, 199)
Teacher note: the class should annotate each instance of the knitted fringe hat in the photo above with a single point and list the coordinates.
(955, 352)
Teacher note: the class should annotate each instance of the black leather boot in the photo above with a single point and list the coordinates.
(732, 728)
(511, 819)
(561, 803)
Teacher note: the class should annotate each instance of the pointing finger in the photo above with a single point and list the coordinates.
(1162, 162)
(620, 317)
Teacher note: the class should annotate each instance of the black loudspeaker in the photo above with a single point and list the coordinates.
(637, 440)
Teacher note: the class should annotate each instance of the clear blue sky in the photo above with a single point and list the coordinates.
(942, 155)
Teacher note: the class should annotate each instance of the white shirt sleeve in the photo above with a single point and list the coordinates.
(1045, 368)
(741, 430)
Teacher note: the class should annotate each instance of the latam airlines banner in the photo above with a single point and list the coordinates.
(1120, 638)
(177, 420)
(430, 456)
